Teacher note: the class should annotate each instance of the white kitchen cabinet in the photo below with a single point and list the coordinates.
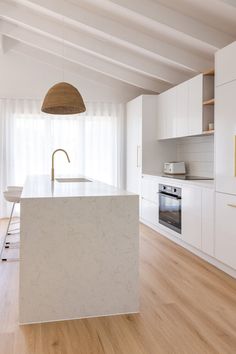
(149, 211)
(225, 230)
(225, 64)
(161, 117)
(144, 153)
(181, 111)
(191, 215)
(182, 108)
(208, 212)
(149, 188)
(134, 145)
(195, 100)
(149, 199)
(170, 113)
(225, 135)
(166, 114)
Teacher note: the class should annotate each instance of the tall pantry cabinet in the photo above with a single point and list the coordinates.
(225, 155)
(145, 155)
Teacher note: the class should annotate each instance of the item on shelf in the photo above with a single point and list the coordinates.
(211, 126)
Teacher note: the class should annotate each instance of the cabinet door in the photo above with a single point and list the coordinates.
(161, 117)
(225, 125)
(182, 109)
(149, 188)
(170, 107)
(225, 64)
(149, 211)
(195, 105)
(225, 229)
(208, 212)
(191, 216)
(134, 145)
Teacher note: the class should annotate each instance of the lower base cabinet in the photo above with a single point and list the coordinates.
(198, 207)
(225, 229)
(208, 218)
(208, 221)
(191, 216)
(149, 211)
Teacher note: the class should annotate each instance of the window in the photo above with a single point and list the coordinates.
(93, 142)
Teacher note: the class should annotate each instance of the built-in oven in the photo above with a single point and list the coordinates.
(170, 207)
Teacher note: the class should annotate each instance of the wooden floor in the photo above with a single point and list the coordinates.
(187, 307)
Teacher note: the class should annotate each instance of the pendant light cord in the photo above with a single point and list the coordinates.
(63, 46)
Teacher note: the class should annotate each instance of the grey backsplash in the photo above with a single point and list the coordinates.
(198, 154)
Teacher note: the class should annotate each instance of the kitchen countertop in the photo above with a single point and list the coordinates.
(199, 183)
(41, 186)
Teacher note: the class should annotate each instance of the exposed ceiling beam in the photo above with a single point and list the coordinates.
(59, 63)
(80, 57)
(113, 31)
(80, 39)
(230, 2)
(218, 14)
(165, 21)
(1, 44)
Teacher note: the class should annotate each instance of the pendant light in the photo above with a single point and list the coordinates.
(63, 98)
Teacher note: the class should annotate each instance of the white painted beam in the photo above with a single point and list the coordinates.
(109, 51)
(229, 2)
(1, 44)
(80, 57)
(113, 31)
(77, 69)
(165, 21)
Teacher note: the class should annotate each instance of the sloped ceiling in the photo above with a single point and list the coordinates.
(148, 44)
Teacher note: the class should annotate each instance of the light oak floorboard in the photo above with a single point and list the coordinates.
(187, 306)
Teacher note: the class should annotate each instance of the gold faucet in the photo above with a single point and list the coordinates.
(52, 175)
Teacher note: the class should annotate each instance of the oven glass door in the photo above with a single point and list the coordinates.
(170, 211)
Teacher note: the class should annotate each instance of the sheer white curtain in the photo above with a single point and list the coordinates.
(93, 140)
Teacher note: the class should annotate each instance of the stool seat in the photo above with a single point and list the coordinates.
(15, 188)
(12, 196)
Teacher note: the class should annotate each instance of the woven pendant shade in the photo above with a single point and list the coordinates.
(63, 98)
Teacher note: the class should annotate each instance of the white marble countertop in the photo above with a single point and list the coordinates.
(199, 183)
(41, 186)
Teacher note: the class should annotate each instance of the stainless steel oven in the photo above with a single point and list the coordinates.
(170, 207)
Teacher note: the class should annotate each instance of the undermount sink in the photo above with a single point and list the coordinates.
(71, 180)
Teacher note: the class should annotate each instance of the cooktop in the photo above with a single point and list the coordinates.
(191, 178)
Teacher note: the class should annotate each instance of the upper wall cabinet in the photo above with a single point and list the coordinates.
(186, 109)
(225, 64)
(181, 108)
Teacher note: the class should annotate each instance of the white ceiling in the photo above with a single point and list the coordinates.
(149, 44)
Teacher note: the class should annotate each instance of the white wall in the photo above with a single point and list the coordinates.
(23, 76)
(198, 153)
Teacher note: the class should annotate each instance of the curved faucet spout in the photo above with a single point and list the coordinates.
(53, 154)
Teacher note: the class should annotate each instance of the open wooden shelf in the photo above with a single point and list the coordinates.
(211, 101)
(208, 132)
(209, 72)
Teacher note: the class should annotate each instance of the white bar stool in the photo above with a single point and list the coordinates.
(12, 195)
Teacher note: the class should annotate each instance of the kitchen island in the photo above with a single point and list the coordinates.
(79, 250)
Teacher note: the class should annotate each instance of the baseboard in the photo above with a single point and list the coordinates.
(213, 261)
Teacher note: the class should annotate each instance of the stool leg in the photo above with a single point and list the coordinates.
(7, 232)
(9, 224)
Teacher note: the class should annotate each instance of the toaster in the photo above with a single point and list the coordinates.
(174, 168)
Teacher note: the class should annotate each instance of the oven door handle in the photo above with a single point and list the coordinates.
(169, 196)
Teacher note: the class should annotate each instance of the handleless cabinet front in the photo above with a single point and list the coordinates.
(191, 216)
(225, 229)
(225, 138)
